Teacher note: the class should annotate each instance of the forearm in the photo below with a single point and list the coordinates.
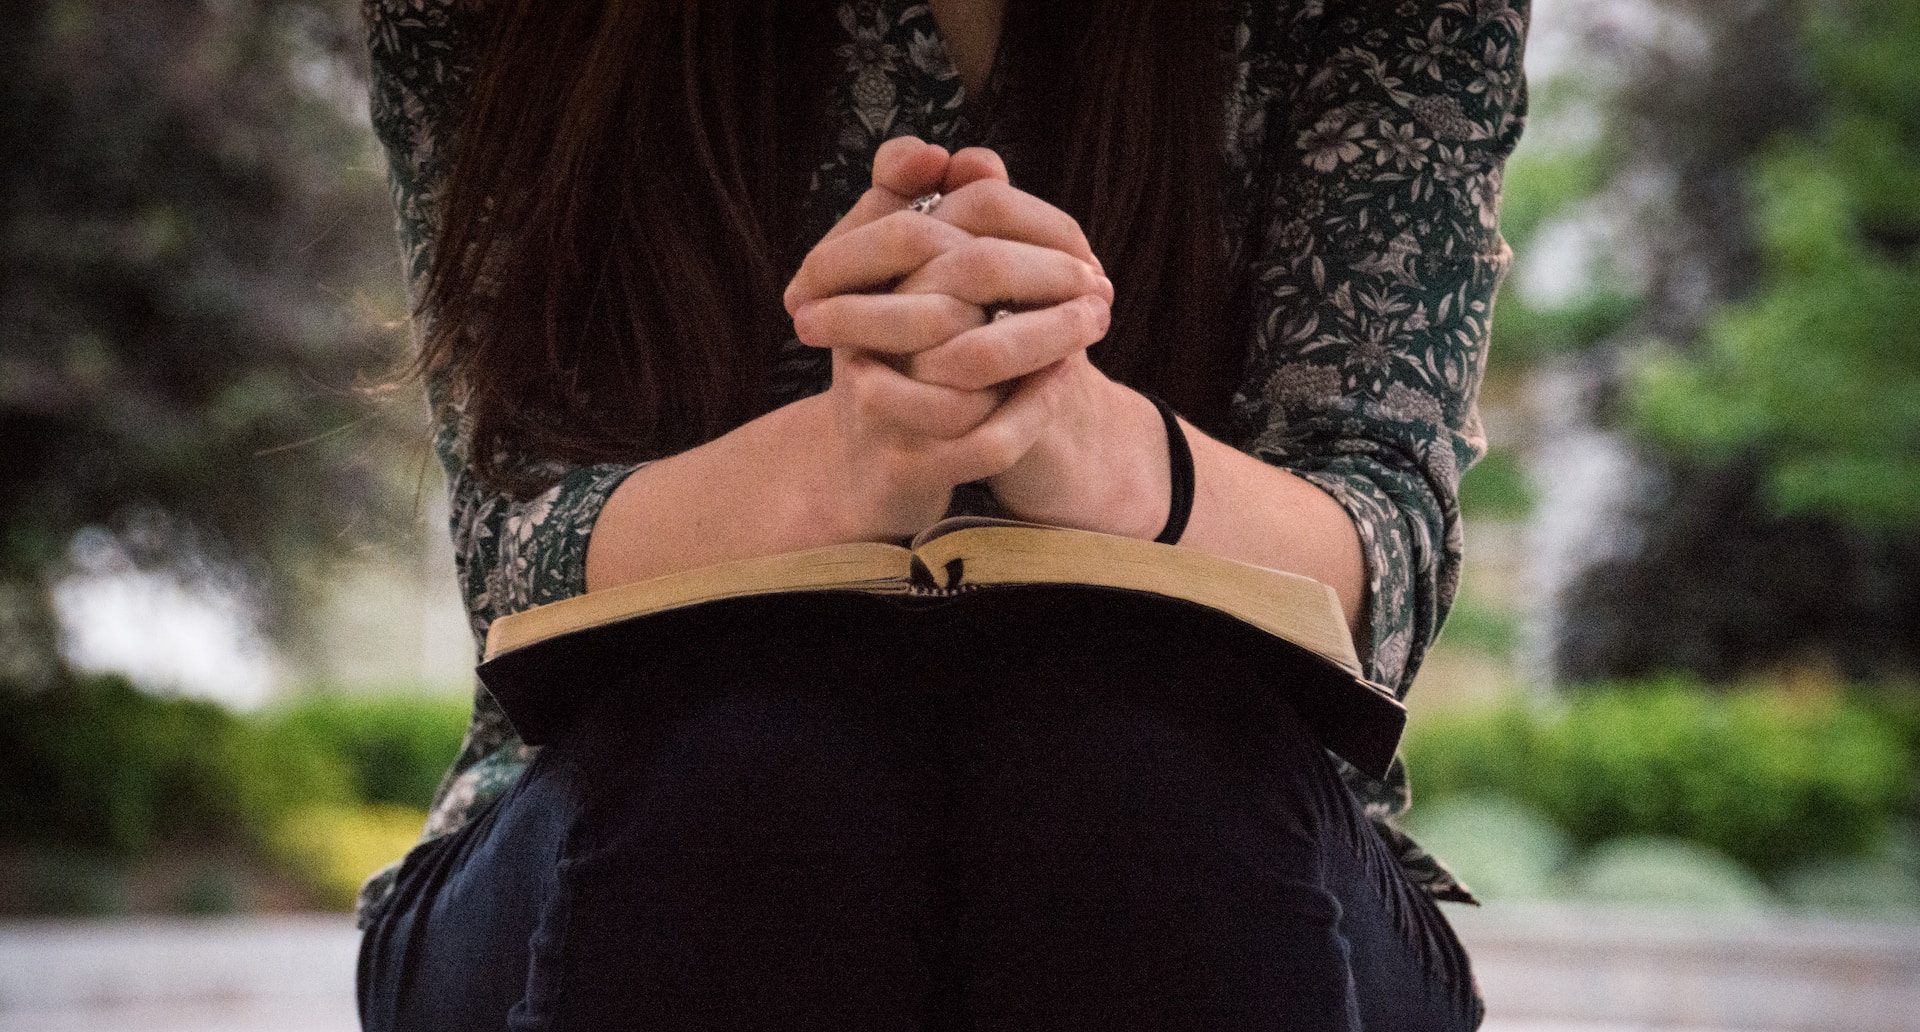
(1258, 513)
(738, 496)
(1243, 508)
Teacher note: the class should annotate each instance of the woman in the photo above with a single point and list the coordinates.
(715, 279)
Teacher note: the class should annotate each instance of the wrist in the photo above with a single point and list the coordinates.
(805, 434)
(1141, 485)
(834, 490)
(1110, 474)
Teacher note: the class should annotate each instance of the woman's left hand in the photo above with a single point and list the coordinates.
(1101, 464)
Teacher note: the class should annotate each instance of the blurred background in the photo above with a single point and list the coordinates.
(1670, 733)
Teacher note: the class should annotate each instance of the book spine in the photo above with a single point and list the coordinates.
(922, 581)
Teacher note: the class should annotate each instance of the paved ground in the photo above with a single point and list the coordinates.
(1544, 969)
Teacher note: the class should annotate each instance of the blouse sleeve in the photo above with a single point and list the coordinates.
(510, 553)
(1376, 262)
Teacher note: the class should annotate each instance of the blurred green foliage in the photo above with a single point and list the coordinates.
(1542, 186)
(1769, 779)
(197, 277)
(1480, 625)
(394, 747)
(1528, 331)
(1730, 213)
(334, 848)
(72, 883)
(1819, 368)
(1497, 487)
(1886, 887)
(208, 891)
(97, 776)
(97, 764)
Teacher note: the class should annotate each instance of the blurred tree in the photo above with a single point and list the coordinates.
(196, 268)
(1767, 156)
(1820, 368)
(1548, 184)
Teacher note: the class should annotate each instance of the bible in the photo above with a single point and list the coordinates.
(989, 581)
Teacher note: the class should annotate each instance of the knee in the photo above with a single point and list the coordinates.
(756, 767)
(1155, 777)
(1121, 737)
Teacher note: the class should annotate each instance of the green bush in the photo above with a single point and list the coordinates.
(1771, 780)
(334, 848)
(95, 763)
(1484, 626)
(1497, 488)
(395, 747)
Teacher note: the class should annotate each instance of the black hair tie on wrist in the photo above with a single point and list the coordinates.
(1181, 459)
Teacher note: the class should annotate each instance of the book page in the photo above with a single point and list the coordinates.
(857, 565)
(1299, 609)
(953, 523)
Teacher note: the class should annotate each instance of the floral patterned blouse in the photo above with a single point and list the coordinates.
(1365, 144)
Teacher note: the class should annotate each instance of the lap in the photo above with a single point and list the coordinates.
(1027, 853)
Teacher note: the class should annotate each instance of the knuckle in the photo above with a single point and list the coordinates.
(951, 416)
(806, 323)
(1076, 317)
(1088, 280)
(957, 316)
(929, 320)
(919, 322)
(993, 200)
(1047, 397)
(892, 147)
(977, 258)
(899, 231)
(865, 396)
(979, 361)
(800, 288)
(1091, 318)
(873, 195)
(920, 237)
(890, 465)
(1071, 228)
(998, 447)
(833, 318)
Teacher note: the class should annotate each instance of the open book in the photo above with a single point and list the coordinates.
(1292, 625)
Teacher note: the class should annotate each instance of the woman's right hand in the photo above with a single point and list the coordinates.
(886, 450)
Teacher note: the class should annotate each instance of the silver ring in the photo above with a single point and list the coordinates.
(925, 203)
(995, 313)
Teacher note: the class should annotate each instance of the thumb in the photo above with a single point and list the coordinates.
(909, 167)
(903, 168)
(971, 165)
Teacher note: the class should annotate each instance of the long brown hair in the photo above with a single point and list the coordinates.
(620, 215)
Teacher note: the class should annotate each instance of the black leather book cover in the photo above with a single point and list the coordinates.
(1015, 637)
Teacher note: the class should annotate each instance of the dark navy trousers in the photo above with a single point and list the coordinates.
(1049, 841)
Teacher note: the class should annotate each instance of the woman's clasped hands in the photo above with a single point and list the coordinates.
(929, 391)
